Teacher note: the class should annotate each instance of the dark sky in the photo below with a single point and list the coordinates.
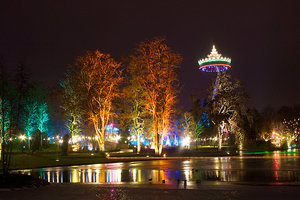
(261, 37)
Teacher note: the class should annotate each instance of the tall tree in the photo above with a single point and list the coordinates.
(72, 98)
(29, 117)
(7, 96)
(158, 64)
(100, 76)
(21, 83)
(135, 110)
(227, 108)
(136, 114)
(36, 116)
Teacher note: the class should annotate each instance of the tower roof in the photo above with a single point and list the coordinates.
(214, 62)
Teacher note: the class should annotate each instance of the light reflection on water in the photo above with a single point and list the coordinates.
(273, 169)
(157, 176)
(107, 175)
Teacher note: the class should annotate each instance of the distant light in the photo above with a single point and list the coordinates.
(75, 147)
(186, 141)
(117, 138)
(22, 137)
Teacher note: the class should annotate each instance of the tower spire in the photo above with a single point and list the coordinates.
(214, 47)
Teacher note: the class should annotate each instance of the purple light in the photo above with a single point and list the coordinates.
(214, 67)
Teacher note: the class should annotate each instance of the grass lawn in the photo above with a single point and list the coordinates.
(28, 160)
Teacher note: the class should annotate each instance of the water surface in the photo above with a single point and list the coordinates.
(269, 168)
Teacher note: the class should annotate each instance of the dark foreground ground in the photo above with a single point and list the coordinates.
(151, 192)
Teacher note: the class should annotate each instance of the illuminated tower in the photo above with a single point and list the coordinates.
(214, 62)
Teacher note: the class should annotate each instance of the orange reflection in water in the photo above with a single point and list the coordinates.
(106, 176)
(276, 165)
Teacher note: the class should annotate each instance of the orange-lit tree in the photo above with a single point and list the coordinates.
(158, 64)
(100, 77)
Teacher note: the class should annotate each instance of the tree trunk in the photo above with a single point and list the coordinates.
(100, 136)
(101, 147)
(3, 148)
(220, 139)
(156, 135)
(161, 144)
(138, 142)
(100, 141)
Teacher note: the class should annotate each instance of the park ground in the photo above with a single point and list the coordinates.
(28, 160)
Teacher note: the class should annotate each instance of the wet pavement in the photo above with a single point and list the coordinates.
(71, 191)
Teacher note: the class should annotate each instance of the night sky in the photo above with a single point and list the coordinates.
(261, 37)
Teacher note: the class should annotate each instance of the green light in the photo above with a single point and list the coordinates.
(219, 61)
(269, 152)
(214, 58)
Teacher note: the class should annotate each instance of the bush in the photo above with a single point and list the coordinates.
(20, 180)
(259, 145)
(284, 146)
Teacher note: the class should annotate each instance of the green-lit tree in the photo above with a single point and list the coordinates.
(36, 114)
(135, 110)
(42, 118)
(72, 100)
(29, 117)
